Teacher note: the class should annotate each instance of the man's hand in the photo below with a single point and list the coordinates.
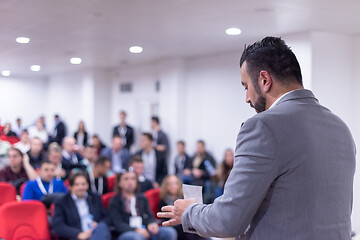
(84, 235)
(143, 232)
(153, 228)
(175, 212)
(197, 172)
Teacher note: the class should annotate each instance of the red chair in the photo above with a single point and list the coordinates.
(111, 183)
(153, 196)
(106, 198)
(8, 193)
(24, 220)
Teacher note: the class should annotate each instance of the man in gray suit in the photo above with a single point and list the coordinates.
(294, 162)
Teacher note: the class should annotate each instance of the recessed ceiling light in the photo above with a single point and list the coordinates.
(233, 31)
(35, 68)
(5, 73)
(135, 49)
(23, 40)
(75, 60)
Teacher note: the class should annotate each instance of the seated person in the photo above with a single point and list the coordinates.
(137, 165)
(118, 155)
(171, 190)
(55, 156)
(90, 156)
(24, 144)
(131, 214)
(183, 163)
(36, 153)
(223, 172)
(45, 183)
(19, 169)
(71, 159)
(38, 131)
(79, 214)
(97, 176)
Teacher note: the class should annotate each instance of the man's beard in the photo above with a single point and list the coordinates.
(260, 104)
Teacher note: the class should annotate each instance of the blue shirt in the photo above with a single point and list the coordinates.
(33, 192)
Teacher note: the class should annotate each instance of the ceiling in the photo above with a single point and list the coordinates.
(101, 32)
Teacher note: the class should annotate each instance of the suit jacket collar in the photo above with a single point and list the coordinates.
(297, 94)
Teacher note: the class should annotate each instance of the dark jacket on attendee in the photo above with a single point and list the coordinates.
(187, 164)
(85, 140)
(35, 161)
(120, 218)
(129, 135)
(66, 222)
(206, 157)
(60, 133)
(162, 139)
(161, 165)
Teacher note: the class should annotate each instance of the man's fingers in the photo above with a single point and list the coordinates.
(165, 214)
(167, 208)
(171, 222)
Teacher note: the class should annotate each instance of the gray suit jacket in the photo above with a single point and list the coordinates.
(292, 178)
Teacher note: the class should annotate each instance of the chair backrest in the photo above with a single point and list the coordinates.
(153, 196)
(111, 183)
(106, 198)
(8, 193)
(24, 220)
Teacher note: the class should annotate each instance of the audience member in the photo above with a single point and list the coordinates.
(183, 163)
(38, 131)
(19, 169)
(81, 136)
(119, 155)
(131, 214)
(124, 131)
(5, 146)
(98, 144)
(24, 144)
(44, 184)
(90, 156)
(70, 158)
(79, 214)
(18, 128)
(97, 176)
(59, 130)
(223, 171)
(42, 120)
(160, 139)
(137, 165)
(7, 131)
(203, 165)
(36, 153)
(154, 162)
(55, 156)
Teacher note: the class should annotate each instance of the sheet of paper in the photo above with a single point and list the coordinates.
(191, 191)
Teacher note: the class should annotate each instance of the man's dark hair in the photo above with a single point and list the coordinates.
(136, 159)
(77, 174)
(102, 160)
(149, 136)
(274, 56)
(123, 112)
(181, 142)
(56, 116)
(201, 142)
(45, 162)
(118, 179)
(155, 119)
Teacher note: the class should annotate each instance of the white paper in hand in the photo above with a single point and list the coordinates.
(191, 191)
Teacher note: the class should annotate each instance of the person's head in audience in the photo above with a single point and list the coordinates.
(137, 165)
(15, 160)
(180, 147)
(56, 118)
(54, 153)
(127, 183)
(18, 122)
(68, 144)
(117, 143)
(24, 137)
(36, 146)
(171, 186)
(90, 153)
(79, 184)
(81, 127)
(200, 147)
(47, 171)
(96, 141)
(102, 166)
(7, 128)
(146, 142)
(42, 120)
(39, 125)
(229, 158)
(155, 123)
(226, 165)
(123, 118)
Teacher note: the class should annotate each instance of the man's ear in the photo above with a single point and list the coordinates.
(265, 81)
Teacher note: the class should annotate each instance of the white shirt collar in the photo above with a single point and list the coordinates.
(277, 100)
